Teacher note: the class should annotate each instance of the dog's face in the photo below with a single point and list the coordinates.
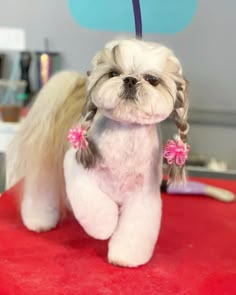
(136, 82)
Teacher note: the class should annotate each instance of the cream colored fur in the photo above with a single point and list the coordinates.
(41, 142)
(119, 196)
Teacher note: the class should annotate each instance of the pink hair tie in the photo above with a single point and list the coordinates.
(77, 137)
(176, 151)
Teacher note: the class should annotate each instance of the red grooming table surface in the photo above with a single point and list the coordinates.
(195, 254)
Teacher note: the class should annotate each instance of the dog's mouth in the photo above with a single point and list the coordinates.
(129, 95)
(129, 112)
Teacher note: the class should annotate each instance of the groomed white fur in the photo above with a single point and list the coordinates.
(39, 207)
(120, 197)
(96, 212)
(127, 181)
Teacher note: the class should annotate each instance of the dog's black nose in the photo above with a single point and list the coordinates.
(130, 82)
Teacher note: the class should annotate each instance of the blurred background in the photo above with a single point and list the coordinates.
(48, 38)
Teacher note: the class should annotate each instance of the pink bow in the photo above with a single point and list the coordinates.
(176, 151)
(77, 136)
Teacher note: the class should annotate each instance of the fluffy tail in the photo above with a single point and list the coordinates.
(41, 140)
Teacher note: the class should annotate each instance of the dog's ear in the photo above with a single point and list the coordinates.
(89, 156)
(179, 114)
(181, 105)
(89, 109)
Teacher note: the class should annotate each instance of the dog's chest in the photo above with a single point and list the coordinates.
(129, 154)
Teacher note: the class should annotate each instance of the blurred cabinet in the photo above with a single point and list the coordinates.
(7, 132)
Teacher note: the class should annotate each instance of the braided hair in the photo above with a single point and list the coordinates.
(88, 157)
(178, 173)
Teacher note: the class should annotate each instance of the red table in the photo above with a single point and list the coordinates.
(195, 254)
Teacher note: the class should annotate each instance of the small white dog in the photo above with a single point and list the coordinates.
(112, 184)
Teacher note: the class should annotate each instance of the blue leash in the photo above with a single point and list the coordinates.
(137, 19)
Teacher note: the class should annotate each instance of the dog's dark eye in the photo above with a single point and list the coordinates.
(153, 80)
(113, 74)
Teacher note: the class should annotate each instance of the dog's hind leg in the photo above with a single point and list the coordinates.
(93, 209)
(40, 203)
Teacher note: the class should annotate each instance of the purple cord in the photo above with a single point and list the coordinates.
(137, 18)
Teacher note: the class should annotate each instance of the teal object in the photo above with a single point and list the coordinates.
(158, 16)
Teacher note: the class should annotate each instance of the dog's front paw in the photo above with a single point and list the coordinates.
(123, 254)
(100, 224)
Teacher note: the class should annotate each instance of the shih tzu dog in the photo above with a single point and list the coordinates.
(110, 178)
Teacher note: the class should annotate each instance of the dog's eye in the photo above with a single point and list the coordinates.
(113, 74)
(154, 81)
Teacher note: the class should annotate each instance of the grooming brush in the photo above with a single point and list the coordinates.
(198, 188)
(2, 57)
(25, 62)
